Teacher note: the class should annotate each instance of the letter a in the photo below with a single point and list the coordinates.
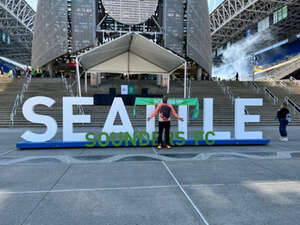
(118, 107)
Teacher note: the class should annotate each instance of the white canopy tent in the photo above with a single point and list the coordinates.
(130, 54)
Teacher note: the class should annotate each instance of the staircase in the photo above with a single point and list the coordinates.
(292, 91)
(269, 109)
(54, 88)
(8, 92)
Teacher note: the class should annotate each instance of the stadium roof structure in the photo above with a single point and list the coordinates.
(233, 17)
(17, 22)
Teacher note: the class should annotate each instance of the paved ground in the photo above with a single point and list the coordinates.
(142, 186)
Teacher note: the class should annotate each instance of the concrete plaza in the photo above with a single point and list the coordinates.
(222, 185)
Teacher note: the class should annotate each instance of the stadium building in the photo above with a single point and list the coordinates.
(65, 29)
(266, 33)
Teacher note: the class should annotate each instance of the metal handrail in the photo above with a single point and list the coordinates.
(71, 93)
(14, 110)
(291, 103)
(283, 84)
(19, 99)
(294, 80)
(256, 87)
(228, 92)
(222, 86)
(270, 94)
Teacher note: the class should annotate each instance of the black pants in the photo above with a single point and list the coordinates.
(164, 126)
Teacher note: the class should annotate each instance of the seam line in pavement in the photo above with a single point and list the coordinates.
(183, 191)
(143, 187)
(274, 172)
(5, 153)
(45, 195)
(186, 195)
(91, 189)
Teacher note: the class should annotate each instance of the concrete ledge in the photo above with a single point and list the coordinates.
(61, 144)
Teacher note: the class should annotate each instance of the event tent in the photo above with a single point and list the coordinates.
(130, 54)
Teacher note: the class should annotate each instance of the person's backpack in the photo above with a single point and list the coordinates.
(166, 111)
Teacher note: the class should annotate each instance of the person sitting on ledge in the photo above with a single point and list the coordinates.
(164, 109)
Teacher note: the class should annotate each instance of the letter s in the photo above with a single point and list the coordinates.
(31, 116)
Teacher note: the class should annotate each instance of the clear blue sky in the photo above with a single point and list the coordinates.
(32, 3)
(213, 4)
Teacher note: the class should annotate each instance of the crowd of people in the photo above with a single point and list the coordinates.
(21, 73)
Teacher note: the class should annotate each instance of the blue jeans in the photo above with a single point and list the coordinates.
(282, 127)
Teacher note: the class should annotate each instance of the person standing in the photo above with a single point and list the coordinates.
(237, 77)
(10, 74)
(165, 110)
(283, 116)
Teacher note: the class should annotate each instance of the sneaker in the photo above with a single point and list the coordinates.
(159, 147)
(285, 139)
(168, 146)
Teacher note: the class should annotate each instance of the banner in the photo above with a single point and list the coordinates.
(173, 101)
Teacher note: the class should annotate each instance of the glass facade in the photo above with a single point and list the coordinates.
(64, 27)
(50, 39)
(83, 24)
(173, 23)
(130, 11)
(198, 34)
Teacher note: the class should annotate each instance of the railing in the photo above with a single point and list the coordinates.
(19, 100)
(71, 93)
(255, 86)
(14, 110)
(270, 94)
(283, 84)
(294, 80)
(291, 103)
(230, 95)
(222, 86)
(232, 98)
(227, 91)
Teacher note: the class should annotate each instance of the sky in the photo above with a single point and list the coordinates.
(32, 3)
(212, 4)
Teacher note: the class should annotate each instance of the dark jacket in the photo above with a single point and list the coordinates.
(282, 113)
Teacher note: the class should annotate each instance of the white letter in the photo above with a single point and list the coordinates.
(208, 115)
(30, 115)
(118, 107)
(69, 118)
(241, 118)
(182, 125)
(150, 125)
